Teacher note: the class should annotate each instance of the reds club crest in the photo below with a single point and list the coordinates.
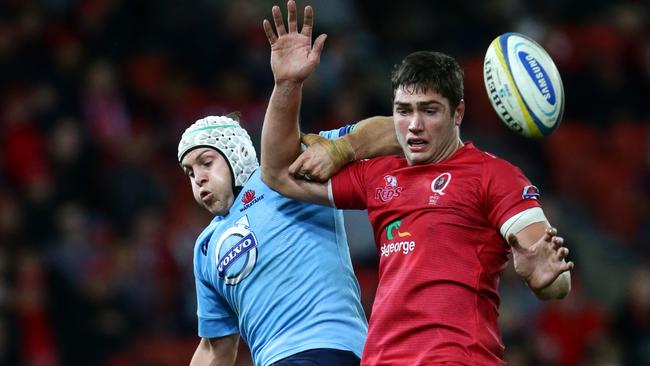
(438, 186)
(389, 191)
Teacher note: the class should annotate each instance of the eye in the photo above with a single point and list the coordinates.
(402, 111)
(430, 111)
(189, 173)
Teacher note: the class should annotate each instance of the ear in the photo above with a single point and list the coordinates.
(459, 113)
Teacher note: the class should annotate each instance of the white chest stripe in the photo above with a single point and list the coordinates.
(521, 220)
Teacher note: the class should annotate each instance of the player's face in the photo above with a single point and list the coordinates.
(426, 128)
(210, 179)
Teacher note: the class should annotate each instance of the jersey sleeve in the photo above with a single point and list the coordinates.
(339, 132)
(348, 188)
(508, 191)
(215, 317)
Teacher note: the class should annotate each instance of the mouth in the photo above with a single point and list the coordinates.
(416, 144)
(205, 195)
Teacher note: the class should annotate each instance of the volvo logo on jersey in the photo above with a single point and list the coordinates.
(236, 252)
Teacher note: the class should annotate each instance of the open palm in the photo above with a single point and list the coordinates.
(543, 262)
(292, 56)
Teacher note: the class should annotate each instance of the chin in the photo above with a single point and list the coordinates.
(415, 159)
(218, 210)
(215, 211)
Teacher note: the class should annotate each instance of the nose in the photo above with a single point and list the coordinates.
(200, 177)
(415, 124)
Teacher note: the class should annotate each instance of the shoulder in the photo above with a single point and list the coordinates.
(492, 164)
(383, 162)
(368, 168)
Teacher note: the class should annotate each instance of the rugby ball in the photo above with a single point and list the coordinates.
(523, 84)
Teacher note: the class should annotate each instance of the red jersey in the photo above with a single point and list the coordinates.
(436, 228)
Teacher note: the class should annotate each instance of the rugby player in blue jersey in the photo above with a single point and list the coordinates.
(273, 270)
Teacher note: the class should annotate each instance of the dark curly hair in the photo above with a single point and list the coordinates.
(424, 70)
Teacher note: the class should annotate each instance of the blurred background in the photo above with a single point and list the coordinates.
(97, 221)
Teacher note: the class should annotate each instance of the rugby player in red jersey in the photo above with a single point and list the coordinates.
(445, 215)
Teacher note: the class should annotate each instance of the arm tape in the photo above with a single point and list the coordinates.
(521, 220)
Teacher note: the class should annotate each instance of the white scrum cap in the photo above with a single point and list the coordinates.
(229, 138)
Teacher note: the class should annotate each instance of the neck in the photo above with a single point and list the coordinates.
(449, 150)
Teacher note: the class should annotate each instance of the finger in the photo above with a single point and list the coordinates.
(319, 43)
(557, 242)
(311, 138)
(277, 19)
(308, 21)
(302, 174)
(562, 253)
(268, 29)
(299, 175)
(297, 165)
(291, 16)
(550, 233)
(566, 266)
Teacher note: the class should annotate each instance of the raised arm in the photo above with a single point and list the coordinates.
(371, 137)
(538, 256)
(293, 59)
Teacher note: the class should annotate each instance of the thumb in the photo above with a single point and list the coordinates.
(316, 50)
(311, 138)
(295, 167)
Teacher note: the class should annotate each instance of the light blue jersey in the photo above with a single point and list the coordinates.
(278, 271)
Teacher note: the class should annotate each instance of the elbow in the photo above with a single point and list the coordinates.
(269, 177)
(274, 180)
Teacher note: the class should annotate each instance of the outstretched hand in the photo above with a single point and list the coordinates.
(292, 56)
(541, 263)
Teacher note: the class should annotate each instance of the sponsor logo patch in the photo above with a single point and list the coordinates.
(236, 252)
(405, 247)
(530, 193)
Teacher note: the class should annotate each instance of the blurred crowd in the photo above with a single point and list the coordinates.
(97, 221)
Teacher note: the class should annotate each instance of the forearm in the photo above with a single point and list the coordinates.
(374, 136)
(203, 357)
(558, 289)
(280, 132)
(216, 352)
(371, 137)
